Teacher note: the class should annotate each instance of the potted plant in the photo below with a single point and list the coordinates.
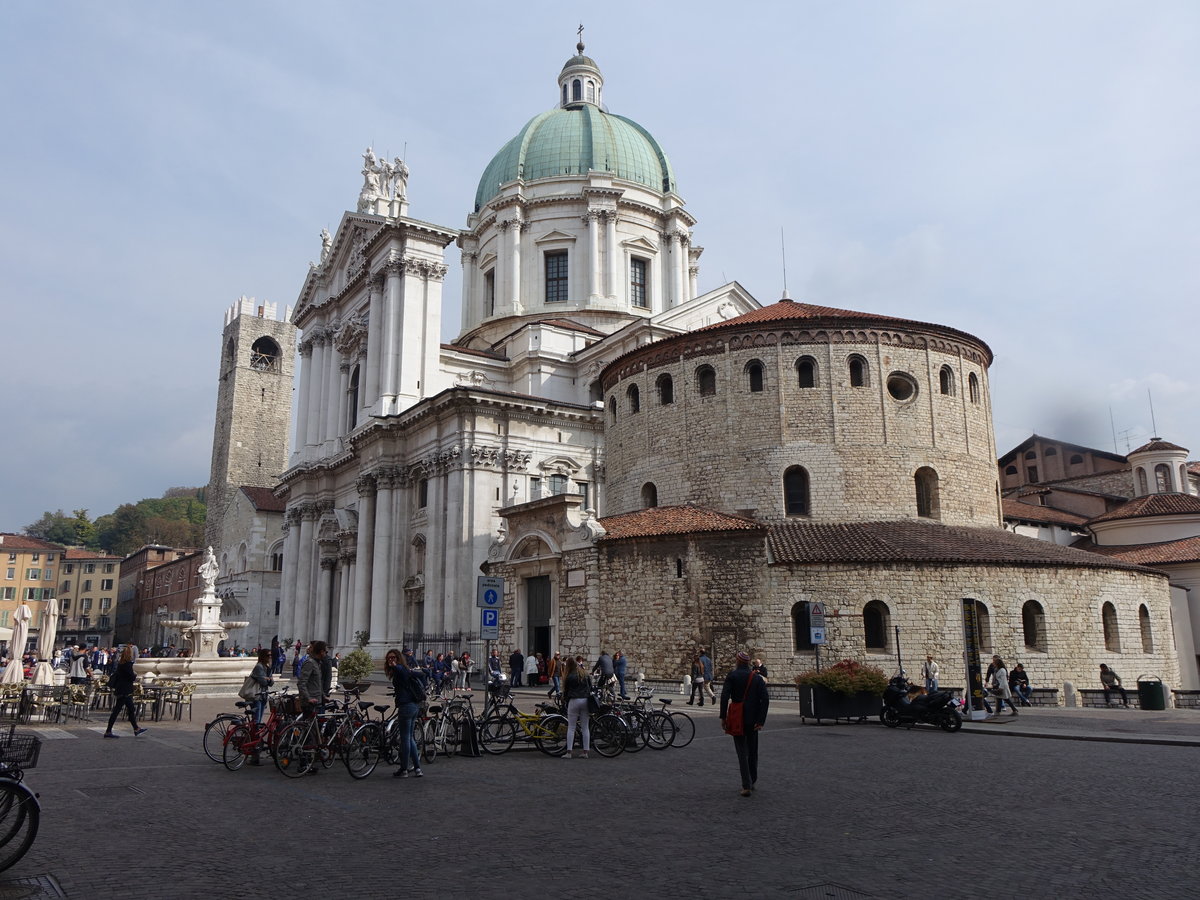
(354, 668)
(844, 690)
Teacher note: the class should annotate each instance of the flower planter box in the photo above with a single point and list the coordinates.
(819, 702)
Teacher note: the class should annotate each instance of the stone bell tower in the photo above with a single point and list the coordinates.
(254, 406)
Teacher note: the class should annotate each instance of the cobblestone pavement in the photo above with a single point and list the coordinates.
(858, 809)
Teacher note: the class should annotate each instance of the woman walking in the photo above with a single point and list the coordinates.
(575, 690)
(697, 680)
(261, 673)
(121, 684)
(409, 696)
(1000, 688)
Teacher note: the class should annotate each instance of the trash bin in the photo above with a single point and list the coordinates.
(1152, 693)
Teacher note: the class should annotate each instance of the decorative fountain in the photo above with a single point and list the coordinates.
(212, 674)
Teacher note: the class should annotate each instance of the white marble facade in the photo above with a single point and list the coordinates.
(406, 448)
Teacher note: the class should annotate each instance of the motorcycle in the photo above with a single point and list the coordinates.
(938, 708)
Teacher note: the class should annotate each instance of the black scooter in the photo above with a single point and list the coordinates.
(939, 708)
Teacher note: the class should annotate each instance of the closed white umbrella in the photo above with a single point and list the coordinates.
(14, 672)
(43, 672)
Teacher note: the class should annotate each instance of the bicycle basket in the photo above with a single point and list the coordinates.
(20, 750)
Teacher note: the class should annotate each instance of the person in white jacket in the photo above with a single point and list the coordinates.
(929, 672)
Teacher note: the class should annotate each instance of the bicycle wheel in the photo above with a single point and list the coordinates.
(233, 754)
(292, 758)
(450, 735)
(418, 737)
(685, 729)
(429, 741)
(660, 730)
(19, 822)
(609, 734)
(362, 753)
(550, 735)
(497, 734)
(214, 735)
(635, 723)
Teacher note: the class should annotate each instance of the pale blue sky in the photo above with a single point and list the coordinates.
(1024, 171)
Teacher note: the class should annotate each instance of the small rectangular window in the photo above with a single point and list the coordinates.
(637, 283)
(9, 593)
(87, 584)
(583, 492)
(489, 292)
(33, 574)
(556, 276)
(12, 573)
(108, 568)
(106, 584)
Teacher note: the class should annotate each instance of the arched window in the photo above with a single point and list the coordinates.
(801, 635)
(928, 501)
(859, 373)
(423, 493)
(806, 372)
(591, 91)
(1010, 470)
(973, 387)
(1108, 620)
(1051, 451)
(985, 626)
(1031, 454)
(265, 355)
(352, 400)
(277, 558)
(649, 495)
(1144, 624)
(635, 398)
(596, 393)
(612, 408)
(1143, 484)
(1075, 460)
(1033, 621)
(946, 381)
(666, 390)
(564, 94)
(795, 491)
(1183, 479)
(875, 622)
(576, 89)
(1162, 478)
(754, 375)
(706, 381)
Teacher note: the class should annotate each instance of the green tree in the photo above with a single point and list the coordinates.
(54, 527)
(85, 529)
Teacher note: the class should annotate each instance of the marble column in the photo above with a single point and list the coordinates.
(301, 608)
(369, 374)
(323, 602)
(514, 288)
(314, 382)
(291, 569)
(383, 554)
(393, 338)
(305, 393)
(613, 251)
(593, 224)
(342, 422)
(474, 300)
(344, 601)
(360, 610)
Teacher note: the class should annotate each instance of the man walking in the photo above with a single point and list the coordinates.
(707, 663)
(745, 687)
(929, 672)
(516, 665)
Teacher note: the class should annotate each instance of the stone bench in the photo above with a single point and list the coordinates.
(1089, 697)
(1186, 699)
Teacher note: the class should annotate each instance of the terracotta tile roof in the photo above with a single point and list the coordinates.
(24, 542)
(568, 325)
(263, 499)
(83, 553)
(792, 311)
(1185, 550)
(1158, 444)
(921, 542)
(1152, 505)
(1027, 512)
(667, 520)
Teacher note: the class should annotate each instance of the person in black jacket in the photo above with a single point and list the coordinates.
(121, 685)
(409, 693)
(742, 685)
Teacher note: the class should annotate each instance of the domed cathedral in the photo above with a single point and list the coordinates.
(577, 250)
(577, 216)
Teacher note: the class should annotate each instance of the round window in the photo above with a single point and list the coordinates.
(901, 386)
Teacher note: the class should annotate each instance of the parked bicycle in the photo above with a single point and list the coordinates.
(20, 811)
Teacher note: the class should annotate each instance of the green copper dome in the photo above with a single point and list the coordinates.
(572, 141)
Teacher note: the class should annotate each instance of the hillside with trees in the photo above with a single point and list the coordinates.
(176, 520)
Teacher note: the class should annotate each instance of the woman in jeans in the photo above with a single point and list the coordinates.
(262, 677)
(576, 688)
(409, 695)
(121, 685)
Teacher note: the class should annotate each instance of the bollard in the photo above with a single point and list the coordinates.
(1069, 698)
